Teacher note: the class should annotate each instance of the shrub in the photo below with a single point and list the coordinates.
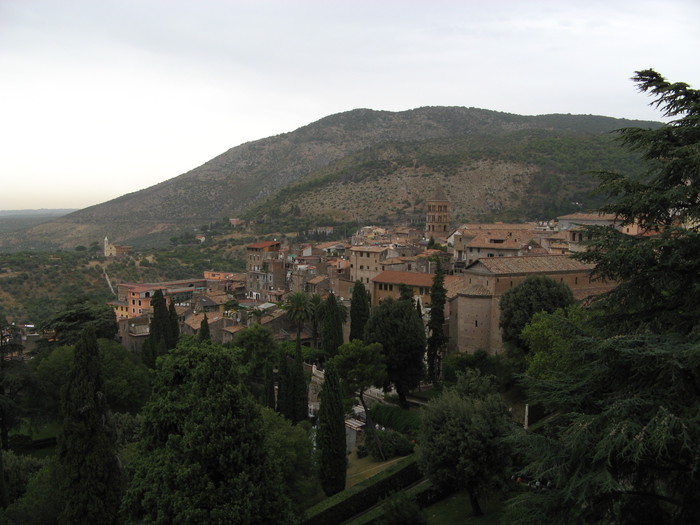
(393, 444)
(399, 419)
(356, 499)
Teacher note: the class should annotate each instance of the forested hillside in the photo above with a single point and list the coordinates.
(493, 164)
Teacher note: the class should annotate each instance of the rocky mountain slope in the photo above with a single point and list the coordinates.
(363, 164)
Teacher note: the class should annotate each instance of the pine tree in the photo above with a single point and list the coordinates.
(330, 436)
(88, 466)
(437, 339)
(359, 311)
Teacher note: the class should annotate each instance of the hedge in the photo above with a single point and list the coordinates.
(350, 502)
(402, 420)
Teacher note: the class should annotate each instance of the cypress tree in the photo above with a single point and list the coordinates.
(160, 333)
(437, 339)
(88, 466)
(359, 311)
(204, 334)
(283, 383)
(269, 388)
(173, 326)
(3, 487)
(332, 329)
(331, 435)
(299, 400)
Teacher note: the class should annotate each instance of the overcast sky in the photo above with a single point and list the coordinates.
(99, 98)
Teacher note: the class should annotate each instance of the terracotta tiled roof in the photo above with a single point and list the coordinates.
(453, 284)
(409, 278)
(368, 249)
(318, 280)
(588, 216)
(497, 226)
(476, 289)
(531, 264)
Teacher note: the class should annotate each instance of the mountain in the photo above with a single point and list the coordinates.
(364, 165)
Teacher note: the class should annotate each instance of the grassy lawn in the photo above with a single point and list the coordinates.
(359, 469)
(457, 509)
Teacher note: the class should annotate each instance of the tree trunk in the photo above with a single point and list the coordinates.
(476, 508)
(403, 402)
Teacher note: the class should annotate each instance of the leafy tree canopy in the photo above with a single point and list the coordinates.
(535, 294)
(462, 438)
(203, 457)
(396, 326)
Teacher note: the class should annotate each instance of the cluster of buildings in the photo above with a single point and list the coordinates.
(481, 262)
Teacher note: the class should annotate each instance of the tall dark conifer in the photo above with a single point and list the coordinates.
(204, 334)
(173, 326)
(331, 435)
(359, 311)
(160, 332)
(437, 339)
(88, 466)
(332, 328)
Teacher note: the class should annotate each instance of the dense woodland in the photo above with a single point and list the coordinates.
(192, 432)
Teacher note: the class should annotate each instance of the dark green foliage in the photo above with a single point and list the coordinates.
(437, 340)
(350, 502)
(204, 334)
(292, 395)
(18, 468)
(330, 436)
(70, 323)
(404, 421)
(259, 348)
(623, 446)
(489, 365)
(269, 388)
(535, 294)
(462, 438)
(127, 381)
(622, 383)
(396, 326)
(203, 457)
(173, 326)
(334, 314)
(401, 509)
(360, 366)
(658, 274)
(160, 331)
(298, 389)
(359, 311)
(89, 472)
(4, 496)
(290, 449)
(19, 388)
(387, 444)
(41, 503)
(295, 405)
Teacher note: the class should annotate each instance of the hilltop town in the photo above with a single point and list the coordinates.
(481, 261)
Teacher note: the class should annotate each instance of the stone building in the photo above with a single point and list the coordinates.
(475, 310)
